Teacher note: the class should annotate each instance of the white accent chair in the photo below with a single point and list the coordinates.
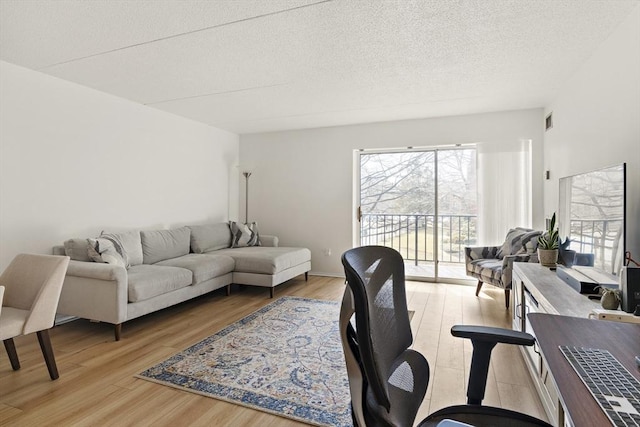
(31, 285)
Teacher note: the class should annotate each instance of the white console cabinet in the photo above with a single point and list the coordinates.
(537, 289)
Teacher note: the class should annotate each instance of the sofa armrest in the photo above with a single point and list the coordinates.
(269, 241)
(95, 291)
(472, 253)
(492, 335)
(97, 270)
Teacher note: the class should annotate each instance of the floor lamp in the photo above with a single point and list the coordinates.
(246, 196)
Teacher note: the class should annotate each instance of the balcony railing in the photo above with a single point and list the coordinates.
(413, 235)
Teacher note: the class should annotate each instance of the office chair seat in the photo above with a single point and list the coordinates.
(387, 380)
(482, 416)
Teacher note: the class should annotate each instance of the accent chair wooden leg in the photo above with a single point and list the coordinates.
(10, 346)
(47, 352)
(507, 297)
(306, 276)
(118, 330)
(228, 290)
(270, 292)
(479, 286)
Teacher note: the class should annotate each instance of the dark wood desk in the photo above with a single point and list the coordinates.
(621, 339)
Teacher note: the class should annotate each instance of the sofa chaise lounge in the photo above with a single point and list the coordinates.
(140, 272)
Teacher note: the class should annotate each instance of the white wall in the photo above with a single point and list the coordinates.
(74, 161)
(302, 183)
(596, 121)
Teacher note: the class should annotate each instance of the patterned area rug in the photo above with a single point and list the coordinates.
(285, 358)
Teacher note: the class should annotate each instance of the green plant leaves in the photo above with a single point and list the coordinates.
(550, 238)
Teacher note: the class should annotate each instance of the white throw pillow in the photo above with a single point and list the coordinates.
(129, 244)
(103, 250)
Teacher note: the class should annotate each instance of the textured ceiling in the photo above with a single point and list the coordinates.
(254, 65)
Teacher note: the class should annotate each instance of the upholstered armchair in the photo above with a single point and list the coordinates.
(494, 264)
(31, 285)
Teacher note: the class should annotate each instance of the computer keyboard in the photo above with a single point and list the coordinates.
(611, 384)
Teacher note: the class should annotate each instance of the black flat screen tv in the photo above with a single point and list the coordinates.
(592, 214)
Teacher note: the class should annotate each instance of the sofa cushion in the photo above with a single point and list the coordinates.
(244, 234)
(203, 266)
(103, 250)
(148, 281)
(131, 245)
(77, 249)
(266, 260)
(158, 245)
(210, 237)
(488, 270)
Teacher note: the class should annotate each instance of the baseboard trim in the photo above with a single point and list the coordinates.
(320, 273)
(63, 318)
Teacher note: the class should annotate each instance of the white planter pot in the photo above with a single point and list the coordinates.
(548, 257)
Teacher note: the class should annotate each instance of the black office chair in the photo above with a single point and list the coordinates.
(387, 380)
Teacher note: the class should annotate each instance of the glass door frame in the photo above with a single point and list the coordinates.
(356, 227)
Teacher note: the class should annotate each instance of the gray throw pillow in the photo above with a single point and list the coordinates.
(159, 245)
(77, 250)
(243, 235)
(104, 251)
(130, 243)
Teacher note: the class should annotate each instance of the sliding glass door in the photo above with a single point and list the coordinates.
(423, 204)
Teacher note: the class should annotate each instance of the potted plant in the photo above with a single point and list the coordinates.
(548, 244)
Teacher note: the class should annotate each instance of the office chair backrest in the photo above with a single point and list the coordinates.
(387, 379)
(375, 276)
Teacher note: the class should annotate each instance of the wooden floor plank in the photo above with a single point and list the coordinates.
(97, 384)
(521, 398)
(448, 388)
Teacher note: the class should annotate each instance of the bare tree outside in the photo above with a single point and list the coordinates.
(595, 202)
(397, 183)
(398, 202)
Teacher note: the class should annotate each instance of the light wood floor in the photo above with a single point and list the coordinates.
(97, 385)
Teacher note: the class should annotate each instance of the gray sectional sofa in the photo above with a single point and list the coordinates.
(118, 277)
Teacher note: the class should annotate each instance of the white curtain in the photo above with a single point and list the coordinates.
(564, 207)
(504, 189)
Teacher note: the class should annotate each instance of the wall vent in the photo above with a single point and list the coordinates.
(548, 122)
